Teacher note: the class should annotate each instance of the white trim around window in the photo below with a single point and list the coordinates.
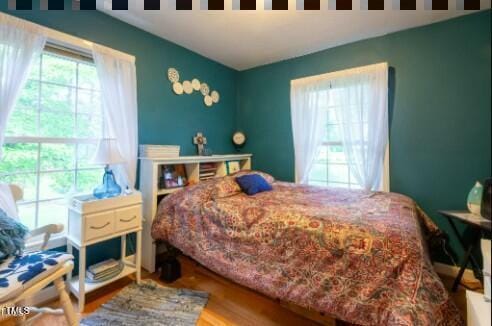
(72, 42)
(386, 170)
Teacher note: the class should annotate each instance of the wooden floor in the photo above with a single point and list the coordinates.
(229, 303)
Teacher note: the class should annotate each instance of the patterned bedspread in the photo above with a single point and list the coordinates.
(358, 256)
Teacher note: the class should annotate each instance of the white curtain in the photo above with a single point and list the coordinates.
(360, 99)
(118, 78)
(20, 43)
(363, 115)
(306, 109)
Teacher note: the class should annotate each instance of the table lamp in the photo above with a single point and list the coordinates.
(107, 153)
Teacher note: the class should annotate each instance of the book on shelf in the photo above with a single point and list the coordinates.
(104, 274)
(103, 266)
(103, 271)
(207, 174)
(208, 169)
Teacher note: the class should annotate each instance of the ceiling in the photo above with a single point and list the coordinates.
(242, 40)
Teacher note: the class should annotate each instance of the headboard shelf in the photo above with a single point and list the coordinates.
(197, 168)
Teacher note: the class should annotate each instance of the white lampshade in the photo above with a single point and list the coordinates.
(107, 152)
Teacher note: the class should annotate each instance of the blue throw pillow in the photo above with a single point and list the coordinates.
(12, 234)
(253, 183)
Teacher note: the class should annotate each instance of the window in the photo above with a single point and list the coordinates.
(51, 135)
(340, 128)
(330, 167)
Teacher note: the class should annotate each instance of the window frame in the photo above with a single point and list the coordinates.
(385, 176)
(384, 182)
(345, 185)
(78, 58)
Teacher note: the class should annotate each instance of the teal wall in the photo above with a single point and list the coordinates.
(440, 108)
(163, 117)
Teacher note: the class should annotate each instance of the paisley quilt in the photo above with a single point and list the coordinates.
(355, 255)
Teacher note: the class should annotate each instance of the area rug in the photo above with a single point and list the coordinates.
(150, 304)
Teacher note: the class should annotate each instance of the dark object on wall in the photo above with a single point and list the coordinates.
(486, 198)
(170, 270)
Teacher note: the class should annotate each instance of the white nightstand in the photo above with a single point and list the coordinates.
(94, 220)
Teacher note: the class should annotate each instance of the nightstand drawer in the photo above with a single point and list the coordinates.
(128, 218)
(99, 225)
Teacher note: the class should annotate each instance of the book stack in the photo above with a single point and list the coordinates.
(207, 171)
(103, 271)
(159, 151)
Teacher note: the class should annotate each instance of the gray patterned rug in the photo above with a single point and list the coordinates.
(150, 304)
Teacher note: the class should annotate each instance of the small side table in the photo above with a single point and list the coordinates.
(94, 220)
(479, 226)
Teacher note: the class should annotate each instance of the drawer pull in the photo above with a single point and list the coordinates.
(128, 220)
(100, 227)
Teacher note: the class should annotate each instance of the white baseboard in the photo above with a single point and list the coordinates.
(450, 270)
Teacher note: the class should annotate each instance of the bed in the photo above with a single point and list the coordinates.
(358, 256)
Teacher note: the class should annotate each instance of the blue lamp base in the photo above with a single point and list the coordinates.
(109, 187)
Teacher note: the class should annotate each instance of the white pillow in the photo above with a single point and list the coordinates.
(7, 202)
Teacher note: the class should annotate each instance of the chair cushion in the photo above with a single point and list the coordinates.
(20, 272)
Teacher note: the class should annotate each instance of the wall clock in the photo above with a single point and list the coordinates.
(239, 139)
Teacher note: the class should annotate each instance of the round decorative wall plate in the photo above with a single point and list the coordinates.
(178, 88)
(204, 89)
(215, 96)
(196, 84)
(173, 75)
(208, 100)
(187, 87)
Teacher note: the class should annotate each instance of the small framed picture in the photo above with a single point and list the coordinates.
(233, 167)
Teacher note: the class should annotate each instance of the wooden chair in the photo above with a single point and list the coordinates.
(55, 266)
